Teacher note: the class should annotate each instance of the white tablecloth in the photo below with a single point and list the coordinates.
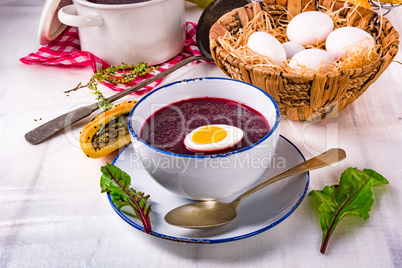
(52, 213)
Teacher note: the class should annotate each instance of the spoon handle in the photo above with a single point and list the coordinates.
(50, 128)
(327, 158)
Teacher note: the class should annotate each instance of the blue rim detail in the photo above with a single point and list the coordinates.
(272, 130)
(213, 241)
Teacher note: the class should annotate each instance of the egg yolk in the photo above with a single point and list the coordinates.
(209, 134)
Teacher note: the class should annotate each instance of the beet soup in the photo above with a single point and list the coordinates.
(167, 127)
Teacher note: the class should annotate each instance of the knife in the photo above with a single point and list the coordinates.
(50, 128)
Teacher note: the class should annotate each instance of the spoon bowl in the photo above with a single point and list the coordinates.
(207, 214)
(200, 215)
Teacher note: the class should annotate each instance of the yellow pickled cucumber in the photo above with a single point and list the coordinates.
(107, 132)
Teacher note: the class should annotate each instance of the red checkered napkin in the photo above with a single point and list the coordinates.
(65, 50)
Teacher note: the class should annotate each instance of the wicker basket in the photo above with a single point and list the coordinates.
(313, 96)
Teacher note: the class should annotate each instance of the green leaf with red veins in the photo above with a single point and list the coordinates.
(352, 196)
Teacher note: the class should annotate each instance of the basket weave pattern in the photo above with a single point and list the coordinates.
(309, 96)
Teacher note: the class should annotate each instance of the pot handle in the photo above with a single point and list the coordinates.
(68, 16)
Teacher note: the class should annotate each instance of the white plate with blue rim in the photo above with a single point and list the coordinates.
(258, 213)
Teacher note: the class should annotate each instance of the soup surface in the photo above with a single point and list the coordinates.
(167, 127)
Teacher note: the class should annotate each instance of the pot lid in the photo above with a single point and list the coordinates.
(49, 25)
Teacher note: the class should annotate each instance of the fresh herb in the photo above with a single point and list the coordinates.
(117, 183)
(352, 196)
(103, 103)
(119, 74)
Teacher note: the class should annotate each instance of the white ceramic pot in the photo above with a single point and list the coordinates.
(206, 177)
(151, 31)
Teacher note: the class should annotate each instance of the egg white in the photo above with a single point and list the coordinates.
(311, 27)
(344, 38)
(233, 137)
(266, 44)
(292, 48)
(312, 59)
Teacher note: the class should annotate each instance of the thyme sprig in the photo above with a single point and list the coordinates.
(119, 74)
(103, 102)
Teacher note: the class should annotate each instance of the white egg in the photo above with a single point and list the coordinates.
(211, 138)
(345, 38)
(310, 28)
(292, 48)
(265, 44)
(312, 59)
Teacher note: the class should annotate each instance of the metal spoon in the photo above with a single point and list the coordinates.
(212, 12)
(206, 214)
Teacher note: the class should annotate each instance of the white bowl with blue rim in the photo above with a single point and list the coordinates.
(213, 176)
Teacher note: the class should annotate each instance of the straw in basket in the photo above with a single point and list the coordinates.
(307, 96)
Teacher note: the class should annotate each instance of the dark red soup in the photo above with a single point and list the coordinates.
(167, 127)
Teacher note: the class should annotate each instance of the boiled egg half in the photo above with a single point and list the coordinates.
(212, 138)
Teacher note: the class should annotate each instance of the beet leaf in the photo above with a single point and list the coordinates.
(352, 196)
(117, 183)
